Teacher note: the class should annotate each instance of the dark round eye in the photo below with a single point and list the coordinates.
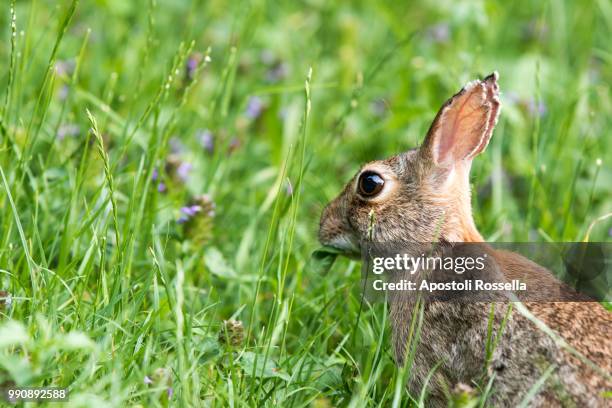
(370, 183)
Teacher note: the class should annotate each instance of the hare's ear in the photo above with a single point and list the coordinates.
(463, 126)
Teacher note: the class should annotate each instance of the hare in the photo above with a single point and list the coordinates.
(423, 195)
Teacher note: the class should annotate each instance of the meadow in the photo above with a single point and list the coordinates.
(164, 163)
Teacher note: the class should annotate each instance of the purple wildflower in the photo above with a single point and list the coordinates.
(148, 380)
(191, 210)
(197, 216)
(170, 392)
(188, 212)
(610, 232)
(183, 170)
(207, 140)
(277, 72)
(539, 109)
(67, 130)
(64, 68)
(161, 186)
(254, 107)
(439, 33)
(192, 64)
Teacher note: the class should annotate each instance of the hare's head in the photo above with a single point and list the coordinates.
(421, 195)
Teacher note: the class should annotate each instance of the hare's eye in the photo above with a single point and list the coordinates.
(370, 183)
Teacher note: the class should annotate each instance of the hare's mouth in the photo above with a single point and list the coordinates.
(345, 246)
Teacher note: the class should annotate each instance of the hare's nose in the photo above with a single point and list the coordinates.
(333, 229)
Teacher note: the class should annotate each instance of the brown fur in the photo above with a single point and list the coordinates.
(426, 197)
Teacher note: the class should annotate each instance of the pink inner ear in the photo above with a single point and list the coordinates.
(492, 89)
(465, 123)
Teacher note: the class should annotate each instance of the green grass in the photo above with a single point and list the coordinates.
(96, 102)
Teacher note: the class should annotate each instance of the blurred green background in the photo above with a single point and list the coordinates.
(196, 196)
